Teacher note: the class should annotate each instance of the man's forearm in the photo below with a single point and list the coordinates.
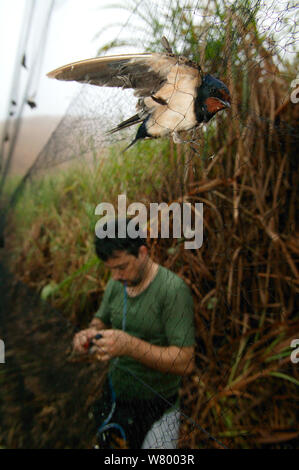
(171, 359)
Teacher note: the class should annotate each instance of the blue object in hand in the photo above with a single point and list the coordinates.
(91, 344)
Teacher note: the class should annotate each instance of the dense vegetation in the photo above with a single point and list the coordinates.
(244, 279)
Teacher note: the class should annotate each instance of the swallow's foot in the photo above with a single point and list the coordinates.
(176, 138)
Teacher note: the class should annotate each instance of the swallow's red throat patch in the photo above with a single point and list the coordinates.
(214, 105)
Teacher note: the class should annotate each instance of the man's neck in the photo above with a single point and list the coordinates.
(150, 272)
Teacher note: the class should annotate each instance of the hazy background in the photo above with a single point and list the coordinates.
(71, 36)
(74, 25)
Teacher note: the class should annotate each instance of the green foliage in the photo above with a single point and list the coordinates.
(55, 220)
(192, 30)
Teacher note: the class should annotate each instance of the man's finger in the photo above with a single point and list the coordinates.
(76, 341)
(99, 347)
(80, 341)
(103, 357)
(99, 342)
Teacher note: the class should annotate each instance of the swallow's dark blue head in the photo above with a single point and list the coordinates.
(212, 96)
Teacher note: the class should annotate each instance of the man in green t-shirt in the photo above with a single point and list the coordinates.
(147, 333)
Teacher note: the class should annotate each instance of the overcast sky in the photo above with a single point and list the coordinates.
(74, 24)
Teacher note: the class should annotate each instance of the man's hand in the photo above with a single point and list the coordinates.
(113, 343)
(173, 359)
(82, 338)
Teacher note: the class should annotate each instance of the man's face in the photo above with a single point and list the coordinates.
(126, 268)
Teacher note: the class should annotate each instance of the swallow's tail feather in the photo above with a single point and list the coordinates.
(141, 134)
(129, 122)
(130, 145)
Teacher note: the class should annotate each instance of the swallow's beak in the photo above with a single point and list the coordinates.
(226, 104)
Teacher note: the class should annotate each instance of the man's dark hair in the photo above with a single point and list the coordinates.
(105, 247)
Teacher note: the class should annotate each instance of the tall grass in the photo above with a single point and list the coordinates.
(244, 279)
(54, 222)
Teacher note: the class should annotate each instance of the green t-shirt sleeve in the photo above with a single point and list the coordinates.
(103, 312)
(178, 316)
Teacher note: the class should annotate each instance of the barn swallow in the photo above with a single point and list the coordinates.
(174, 95)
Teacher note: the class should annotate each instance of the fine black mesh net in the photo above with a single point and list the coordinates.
(242, 166)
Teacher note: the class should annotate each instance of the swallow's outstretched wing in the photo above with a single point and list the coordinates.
(143, 72)
(165, 84)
